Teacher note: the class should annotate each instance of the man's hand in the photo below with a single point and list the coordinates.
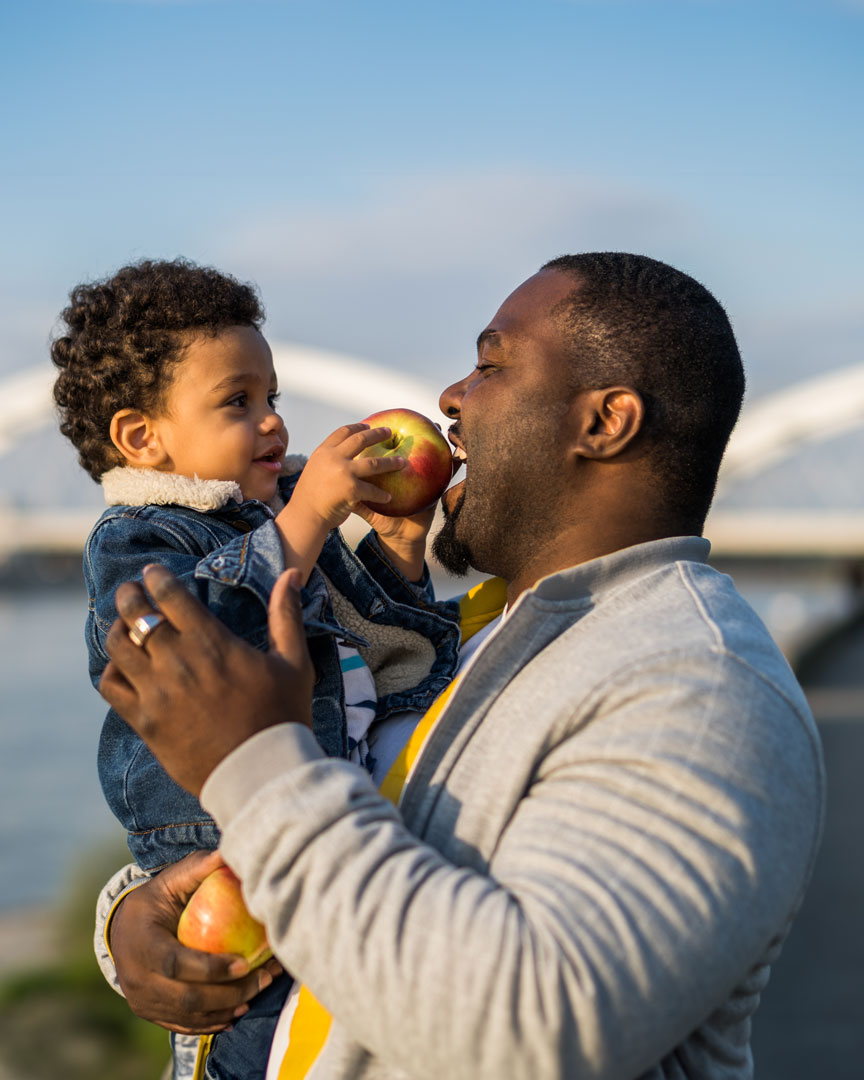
(178, 988)
(194, 691)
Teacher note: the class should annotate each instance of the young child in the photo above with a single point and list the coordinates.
(167, 390)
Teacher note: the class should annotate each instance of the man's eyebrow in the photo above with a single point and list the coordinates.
(486, 335)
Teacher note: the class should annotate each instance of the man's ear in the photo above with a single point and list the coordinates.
(605, 422)
(136, 437)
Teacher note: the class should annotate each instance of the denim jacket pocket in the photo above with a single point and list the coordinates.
(252, 560)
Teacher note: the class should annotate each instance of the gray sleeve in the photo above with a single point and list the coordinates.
(653, 861)
(130, 877)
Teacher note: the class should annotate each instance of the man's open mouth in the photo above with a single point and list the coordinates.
(460, 455)
(453, 495)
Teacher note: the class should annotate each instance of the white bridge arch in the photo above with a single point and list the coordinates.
(770, 430)
(777, 426)
(319, 375)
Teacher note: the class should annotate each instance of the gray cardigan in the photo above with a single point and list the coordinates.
(594, 862)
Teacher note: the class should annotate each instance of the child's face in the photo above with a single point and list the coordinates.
(219, 420)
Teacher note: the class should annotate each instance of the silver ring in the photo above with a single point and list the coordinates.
(143, 627)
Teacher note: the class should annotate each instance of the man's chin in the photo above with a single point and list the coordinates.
(451, 500)
(451, 553)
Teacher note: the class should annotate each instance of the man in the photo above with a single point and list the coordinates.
(610, 825)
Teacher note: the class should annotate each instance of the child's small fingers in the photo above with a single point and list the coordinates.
(377, 466)
(339, 436)
(369, 493)
(358, 441)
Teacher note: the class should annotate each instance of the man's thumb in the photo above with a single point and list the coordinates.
(285, 620)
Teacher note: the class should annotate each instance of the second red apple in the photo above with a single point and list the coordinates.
(216, 920)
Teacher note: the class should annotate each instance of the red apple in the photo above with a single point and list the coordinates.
(216, 920)
(428, 462)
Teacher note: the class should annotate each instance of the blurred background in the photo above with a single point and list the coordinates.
(386, 172)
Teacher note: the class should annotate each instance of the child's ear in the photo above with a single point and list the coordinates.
(137, 438)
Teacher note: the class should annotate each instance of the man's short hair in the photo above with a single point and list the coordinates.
(637, 322)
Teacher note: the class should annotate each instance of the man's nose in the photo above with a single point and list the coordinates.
(450, 402)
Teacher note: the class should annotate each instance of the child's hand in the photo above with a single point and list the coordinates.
(332, 485)
(406, 530)
(403, 539)
(334, 481)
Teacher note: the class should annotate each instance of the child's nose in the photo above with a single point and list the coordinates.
(272, 421)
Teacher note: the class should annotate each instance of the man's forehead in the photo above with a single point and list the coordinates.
(529, 306)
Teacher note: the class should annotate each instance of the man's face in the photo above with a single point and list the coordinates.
(509, 414)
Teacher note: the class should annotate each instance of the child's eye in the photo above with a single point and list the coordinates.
(239, 400)
(273, 398)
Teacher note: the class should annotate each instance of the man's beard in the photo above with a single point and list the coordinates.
(451, 552)
(495, 529)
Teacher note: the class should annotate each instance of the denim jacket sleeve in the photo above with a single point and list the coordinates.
(234, 580)
(371, 555)
(399, 588)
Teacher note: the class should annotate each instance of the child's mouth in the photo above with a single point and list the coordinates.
(272, 460)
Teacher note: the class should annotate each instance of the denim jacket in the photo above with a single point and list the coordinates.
(228, 554)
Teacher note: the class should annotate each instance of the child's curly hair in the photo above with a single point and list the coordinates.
(123, 335)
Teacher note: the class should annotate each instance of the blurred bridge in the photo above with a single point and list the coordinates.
(773, 429)
(353, 386)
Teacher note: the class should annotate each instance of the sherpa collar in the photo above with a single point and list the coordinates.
(125, 486)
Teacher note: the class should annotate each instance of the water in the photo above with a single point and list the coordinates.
(51, 807)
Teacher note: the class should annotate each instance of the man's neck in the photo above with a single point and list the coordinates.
(574, 547)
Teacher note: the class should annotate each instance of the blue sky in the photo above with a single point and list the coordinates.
(388, 171)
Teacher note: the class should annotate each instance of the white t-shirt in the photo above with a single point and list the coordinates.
(388, 737)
